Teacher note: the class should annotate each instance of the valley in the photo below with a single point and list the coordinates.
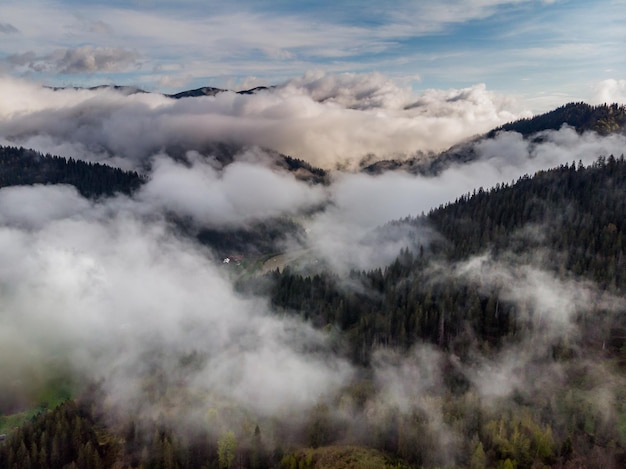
(227, 305)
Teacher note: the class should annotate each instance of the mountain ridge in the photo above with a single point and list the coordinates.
(192, 93)
(604, 119)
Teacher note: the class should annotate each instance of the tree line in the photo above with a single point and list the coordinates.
(21, 166)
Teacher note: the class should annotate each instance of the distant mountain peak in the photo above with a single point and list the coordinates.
(210, 91)
(125, 90)
(203, 91)
(195, 93)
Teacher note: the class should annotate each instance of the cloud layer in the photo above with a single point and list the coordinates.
(327, 120)
(110, 290)
(333, 120)
(101, 296)
(85, 59)
(360, 202)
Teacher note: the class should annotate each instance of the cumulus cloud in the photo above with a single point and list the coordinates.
(84, 59)
(327, 120)
(610, 91)
(240, 193)
(352, 90)
(344, 233)
(122, 290)
(35, 206)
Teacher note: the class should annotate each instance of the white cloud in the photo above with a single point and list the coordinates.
(85, 59)
(328, 120)
(272, 41)
(32, 207)
(241, 193)
(610, 91)
(360, 202)
(122, 290)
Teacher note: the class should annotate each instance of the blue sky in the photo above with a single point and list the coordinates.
(544, 52)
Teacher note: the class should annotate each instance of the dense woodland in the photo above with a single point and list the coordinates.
(20, 166)
(576, 214)
(604, 119)
(569, 222)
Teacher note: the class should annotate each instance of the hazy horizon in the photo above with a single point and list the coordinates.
(541, 53)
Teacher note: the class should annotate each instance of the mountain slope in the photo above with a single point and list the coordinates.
(576, 216)
(203, 91)
(20, 166)
(468, 352)
(603, 119)
(23, 167)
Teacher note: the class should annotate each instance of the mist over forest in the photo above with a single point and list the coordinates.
(335, 271)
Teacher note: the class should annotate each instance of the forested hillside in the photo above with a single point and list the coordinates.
(20, 166)
(25, 167)
(499, 342)
(604, 120)
(579, 213)
(564, 227)
(574, 218)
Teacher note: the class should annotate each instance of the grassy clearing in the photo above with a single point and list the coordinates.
(56, 392)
